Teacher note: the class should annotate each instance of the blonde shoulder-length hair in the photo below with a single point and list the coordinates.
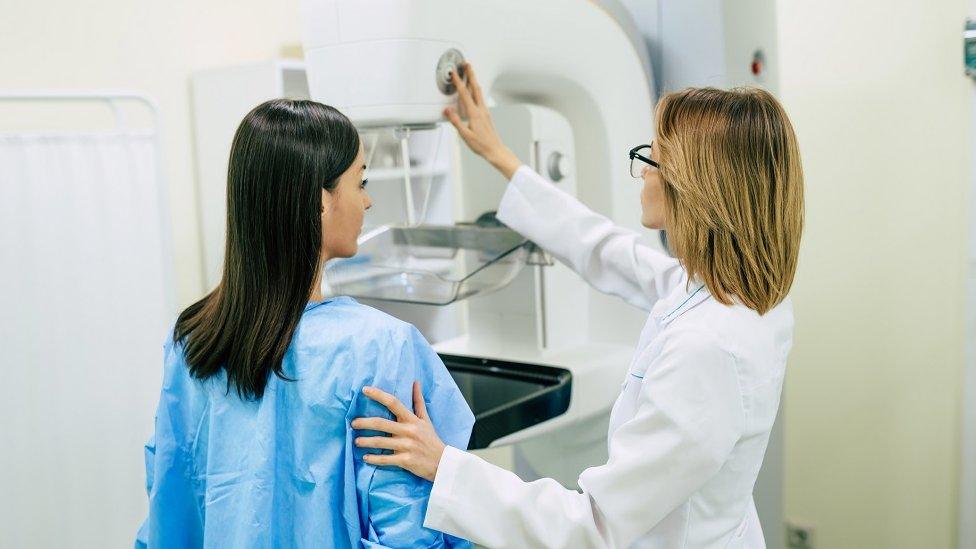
(733, 188)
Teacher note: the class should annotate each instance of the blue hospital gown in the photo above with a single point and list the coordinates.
(283, 471)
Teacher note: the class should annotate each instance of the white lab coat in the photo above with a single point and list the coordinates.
(687, 433)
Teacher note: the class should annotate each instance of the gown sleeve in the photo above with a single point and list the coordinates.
(394, 501)
(142, 537)
(610, 258)
(176, 515)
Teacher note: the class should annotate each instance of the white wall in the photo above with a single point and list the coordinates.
(876, 92)
(150, 47)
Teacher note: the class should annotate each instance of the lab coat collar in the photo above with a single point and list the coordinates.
(681, 300)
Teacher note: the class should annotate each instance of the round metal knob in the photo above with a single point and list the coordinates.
(451, 60)
(558, 166)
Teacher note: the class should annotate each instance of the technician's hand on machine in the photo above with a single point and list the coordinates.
(416, 446)
(479, 131)
(413, 440)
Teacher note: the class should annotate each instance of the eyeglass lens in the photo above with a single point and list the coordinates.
(637, 165)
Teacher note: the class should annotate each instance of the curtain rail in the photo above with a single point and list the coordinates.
(110, 97)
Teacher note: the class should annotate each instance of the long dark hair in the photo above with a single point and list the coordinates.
(284, 153)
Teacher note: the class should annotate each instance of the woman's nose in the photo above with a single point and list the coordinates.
(368, 203)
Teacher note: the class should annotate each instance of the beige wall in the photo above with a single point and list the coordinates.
(150, 47)
(876, 92)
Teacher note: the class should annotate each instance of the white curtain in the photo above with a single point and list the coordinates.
(84, 309)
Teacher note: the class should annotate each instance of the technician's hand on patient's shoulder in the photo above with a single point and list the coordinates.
(478, 131)
(415, 444)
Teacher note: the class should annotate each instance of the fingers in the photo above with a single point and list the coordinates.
(467, 102)
(383, 459)
(473, 84)
(378, 424)
(382, 443)
(391, 402)
(419, 407)
(455, 120)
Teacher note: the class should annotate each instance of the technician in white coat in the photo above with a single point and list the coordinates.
(690, 427)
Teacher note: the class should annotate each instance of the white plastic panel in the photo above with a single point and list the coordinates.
(401, 86)
(320, 23)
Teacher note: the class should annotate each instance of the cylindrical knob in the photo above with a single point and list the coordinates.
(558, 166)
(450, 61)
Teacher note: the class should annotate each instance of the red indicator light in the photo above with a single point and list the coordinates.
(758, 63)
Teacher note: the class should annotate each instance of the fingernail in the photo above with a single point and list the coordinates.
(366, 457)
(367, 390)
(358, 441)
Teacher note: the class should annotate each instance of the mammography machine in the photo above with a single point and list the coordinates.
(538, 353)
(536, 350)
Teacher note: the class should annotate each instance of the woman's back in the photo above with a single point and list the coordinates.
(282, 470)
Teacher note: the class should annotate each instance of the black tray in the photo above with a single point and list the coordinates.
(507, 397)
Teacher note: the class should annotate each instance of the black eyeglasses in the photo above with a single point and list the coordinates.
(636, 160)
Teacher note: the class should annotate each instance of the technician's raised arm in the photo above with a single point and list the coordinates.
(609, 257)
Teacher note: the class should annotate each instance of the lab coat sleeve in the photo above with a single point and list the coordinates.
(611, 258)
(689, 417)
(396, 500)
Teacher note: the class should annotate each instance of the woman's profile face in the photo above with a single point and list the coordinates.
(652, 195)
(343, 209)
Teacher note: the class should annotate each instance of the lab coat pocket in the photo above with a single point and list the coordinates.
(626, 405)
(738, 538)
(633, 383)
(638, 369)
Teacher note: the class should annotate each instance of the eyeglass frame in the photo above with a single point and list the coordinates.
(634, 154)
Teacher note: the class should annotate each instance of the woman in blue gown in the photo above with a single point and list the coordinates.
(262, 377)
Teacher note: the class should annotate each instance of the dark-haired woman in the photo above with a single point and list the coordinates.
(262, 377)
